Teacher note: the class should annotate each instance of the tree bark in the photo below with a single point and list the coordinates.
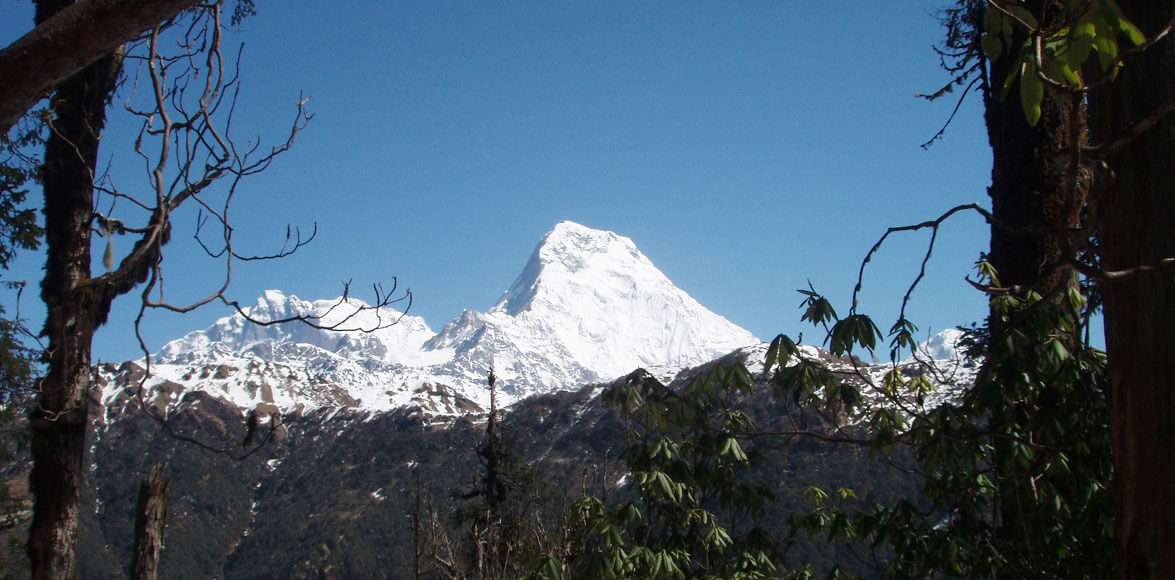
(59, 423)
(1138, 228)
(150, 520)
(1036, 199)
(73, 38)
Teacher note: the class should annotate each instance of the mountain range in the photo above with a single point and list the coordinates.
(587, 307)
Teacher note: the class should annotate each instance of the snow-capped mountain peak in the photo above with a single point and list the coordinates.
(943, 346)
(572, 257)
(590, 298)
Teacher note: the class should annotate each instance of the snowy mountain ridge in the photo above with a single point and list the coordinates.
(587, 307)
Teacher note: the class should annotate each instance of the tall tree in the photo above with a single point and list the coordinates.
(1016, 467)
(74, 310)
(1035, 205)
(1137, 137)
(150, 522)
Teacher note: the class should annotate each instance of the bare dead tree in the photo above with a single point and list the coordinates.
(183, 93)
(434, 554)
(442, 550)
(187, 148)
(150, 521)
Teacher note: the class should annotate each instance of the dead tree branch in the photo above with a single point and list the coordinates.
(190, 157)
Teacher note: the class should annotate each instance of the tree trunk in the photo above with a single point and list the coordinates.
(150, 520)
(1032, 187)
(59, 423)
(1035, 199)
(71, 39)
(1138, 228)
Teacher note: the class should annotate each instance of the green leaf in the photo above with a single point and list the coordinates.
(815, 494)
(772, 354)
(903, 336)
(1106, 41)
(1132, 32)
(551, 569)
(855, 329)
(737, 451)
(1058, 69)
(1031, 93)
(817, 309)
(740, 378)
(1080, 43)
(779, 353)
(671, 565)
(726, 446)
(1059, 351)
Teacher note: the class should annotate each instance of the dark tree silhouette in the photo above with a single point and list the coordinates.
(1133, 124)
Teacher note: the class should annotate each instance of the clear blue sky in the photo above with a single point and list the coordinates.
(746, 148)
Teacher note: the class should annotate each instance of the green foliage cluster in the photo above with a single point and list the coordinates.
(18, 231)
(685, 456)
(1015, 472)
(1018, 470)
(1054, 47)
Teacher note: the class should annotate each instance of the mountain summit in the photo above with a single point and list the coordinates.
(592, 304)
(612, 308)
(587, 307)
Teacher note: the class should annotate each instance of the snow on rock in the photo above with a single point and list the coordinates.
(587, 307)
(384, 334)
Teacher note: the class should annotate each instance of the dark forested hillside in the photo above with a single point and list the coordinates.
(334, 494)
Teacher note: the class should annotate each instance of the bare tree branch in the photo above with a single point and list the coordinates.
(190, 157)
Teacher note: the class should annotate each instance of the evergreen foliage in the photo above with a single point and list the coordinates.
(19, 166)
(688, 463)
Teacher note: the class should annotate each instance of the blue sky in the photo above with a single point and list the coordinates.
(745, 147)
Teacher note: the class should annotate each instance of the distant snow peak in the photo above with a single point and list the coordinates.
(593, 294)
(943, 346)
(587, 307)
